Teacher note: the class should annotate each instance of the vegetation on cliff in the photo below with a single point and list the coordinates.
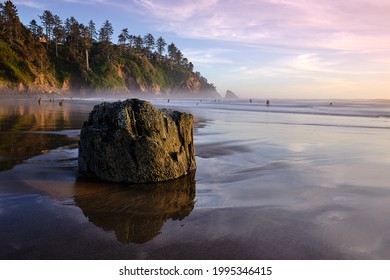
(65, 56)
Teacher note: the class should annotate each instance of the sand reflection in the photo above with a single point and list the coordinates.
(135, 213)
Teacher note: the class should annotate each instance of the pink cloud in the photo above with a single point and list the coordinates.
(300, 23)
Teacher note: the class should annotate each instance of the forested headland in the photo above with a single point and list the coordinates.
(63, 56)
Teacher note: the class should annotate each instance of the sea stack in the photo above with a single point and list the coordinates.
(134, 142)
(230, 94)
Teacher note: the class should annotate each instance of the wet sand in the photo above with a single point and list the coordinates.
(270, 184)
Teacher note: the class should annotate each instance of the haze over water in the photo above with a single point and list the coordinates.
(298, 179)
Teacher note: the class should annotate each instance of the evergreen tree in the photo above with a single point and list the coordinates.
(86, 42)
(172, 52)
(58, 32)
(106, 32)
(35, 29)
(47, 19)
(138, 42)
(10, 28)
(149, 42)
(105, 36)
(72, 35)
(92, 31)
(160, 44)
(122, 38)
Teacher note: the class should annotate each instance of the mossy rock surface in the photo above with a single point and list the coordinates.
(133, 141)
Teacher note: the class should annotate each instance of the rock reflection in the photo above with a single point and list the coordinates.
(135, 213)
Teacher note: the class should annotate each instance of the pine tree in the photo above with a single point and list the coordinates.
(149, 42)
(47, 19)
(87, 42)
(122, 38)
(105, 36)
(35, 29)
(92, 31)
(160, 44)
(72, 35)
(10, 28)
(58, 31)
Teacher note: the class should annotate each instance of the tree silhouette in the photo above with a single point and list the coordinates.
(122, 38)
(105, 35)
(160, 44)
(47, 19)
(58, 32)
(72, 35)
(10, 26)
(149, 42)
(86, 42)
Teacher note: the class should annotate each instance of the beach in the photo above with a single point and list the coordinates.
(299, 179)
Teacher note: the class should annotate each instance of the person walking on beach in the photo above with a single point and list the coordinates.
(267, 103)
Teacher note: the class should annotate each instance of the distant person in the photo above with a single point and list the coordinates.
(267, 103)
(250, 100)
(331, 104)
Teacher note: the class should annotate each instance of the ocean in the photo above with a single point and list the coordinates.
(298, 179)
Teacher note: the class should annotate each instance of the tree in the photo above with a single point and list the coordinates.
(72, 35)
(105, 35)
(138, 42)
(2, 21)
(106, 32)
(160, 44)
(178, 57)
(172, 50)
(58, 31)
(92, 30)
(191, 66)
(10, 27)
(122, 38)
(149, 42)
(47, 19)
(35, 29)
(86, 42)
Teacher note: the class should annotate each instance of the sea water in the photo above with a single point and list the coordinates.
(298, 179)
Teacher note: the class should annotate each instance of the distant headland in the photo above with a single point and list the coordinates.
(64, 56)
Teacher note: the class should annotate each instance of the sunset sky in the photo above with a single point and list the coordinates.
(258, 48)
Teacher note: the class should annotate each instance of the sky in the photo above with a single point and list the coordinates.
(321, 49)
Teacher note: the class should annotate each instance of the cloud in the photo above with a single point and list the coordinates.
(300, 23)
(208, 56)
(31, 4)
(178, 11)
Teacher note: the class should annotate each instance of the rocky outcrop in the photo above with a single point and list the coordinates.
(194, 86)
(133, 141)
(230, 94)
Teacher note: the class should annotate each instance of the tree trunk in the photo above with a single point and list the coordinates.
(56, 48)
(87, 58)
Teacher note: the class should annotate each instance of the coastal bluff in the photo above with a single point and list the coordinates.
(134, 142)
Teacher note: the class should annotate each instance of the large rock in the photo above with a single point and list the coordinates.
(133, 141)
(230, 94)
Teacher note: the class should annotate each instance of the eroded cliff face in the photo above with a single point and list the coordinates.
(134, 142)
(181, 85)
(130, 79)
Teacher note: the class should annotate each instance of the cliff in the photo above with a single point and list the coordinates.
(33, 69)
(74, 61)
